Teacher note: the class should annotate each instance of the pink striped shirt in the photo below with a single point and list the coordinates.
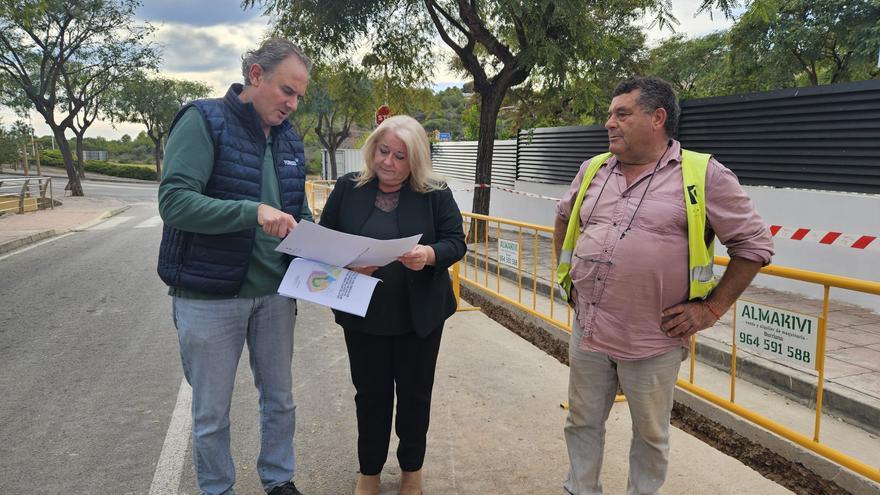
(622, 285)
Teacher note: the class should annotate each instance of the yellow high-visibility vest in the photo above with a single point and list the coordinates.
(701, 254)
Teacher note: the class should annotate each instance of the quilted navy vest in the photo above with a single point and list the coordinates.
(217, 264)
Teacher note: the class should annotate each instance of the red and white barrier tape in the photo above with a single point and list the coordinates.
(800, 234)
(828, 238)
(505, 189)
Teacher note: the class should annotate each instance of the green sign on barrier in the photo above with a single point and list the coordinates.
(777, 333)
(508, 253)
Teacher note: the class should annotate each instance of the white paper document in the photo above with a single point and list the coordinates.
(328, 285)
(311, 241)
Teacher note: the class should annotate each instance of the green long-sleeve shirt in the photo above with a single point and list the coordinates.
(189, 162)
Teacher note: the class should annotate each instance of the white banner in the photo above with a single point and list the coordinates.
(508, 253)
(777, 333)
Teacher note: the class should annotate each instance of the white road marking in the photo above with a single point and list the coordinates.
(111, 222)
(150, 223)
(111, 185)
(28, 248)
(166, 479)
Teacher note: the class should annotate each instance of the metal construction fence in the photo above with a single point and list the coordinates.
(25, 194)
(317, 192)
(514, 262)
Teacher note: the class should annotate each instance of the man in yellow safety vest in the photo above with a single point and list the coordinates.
(634, 235)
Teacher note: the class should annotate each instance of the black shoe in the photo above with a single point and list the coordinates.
(286, 489)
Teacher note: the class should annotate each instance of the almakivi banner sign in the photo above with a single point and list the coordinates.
(777, 333)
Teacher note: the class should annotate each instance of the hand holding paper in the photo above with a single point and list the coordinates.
(314, 242)
(328, 285)
(317, 275)
(417, 257)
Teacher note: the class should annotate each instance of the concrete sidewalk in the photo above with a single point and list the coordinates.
(19, 230)
(496, 422)
(74, 213)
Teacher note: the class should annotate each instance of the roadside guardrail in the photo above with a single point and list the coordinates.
(25, 194)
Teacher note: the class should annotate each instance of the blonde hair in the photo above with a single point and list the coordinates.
(421, 176)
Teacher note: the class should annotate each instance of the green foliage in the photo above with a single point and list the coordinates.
(12, 138)
(500, 43)
(9, 146)
(811, 41)
(470, 123)
(447, 117)
(313, 165)
(697, 67)
(59, 56)
(339, 98)
(133, 151)
(776, 45)
(53, 158)
(153, 102)
(117, 170)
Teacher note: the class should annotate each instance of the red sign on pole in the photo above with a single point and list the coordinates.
(382, 113)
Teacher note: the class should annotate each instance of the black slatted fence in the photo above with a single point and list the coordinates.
(823, 137)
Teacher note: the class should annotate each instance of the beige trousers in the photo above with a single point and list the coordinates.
(649, 385)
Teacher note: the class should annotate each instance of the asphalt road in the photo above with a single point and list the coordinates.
(130, 192)
(88, 365)
(90, 371)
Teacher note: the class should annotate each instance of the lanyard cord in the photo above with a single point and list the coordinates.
(656, 166)
(597, 201)
(668, 144)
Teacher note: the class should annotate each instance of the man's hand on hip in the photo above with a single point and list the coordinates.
(687, 319)
(274, 221)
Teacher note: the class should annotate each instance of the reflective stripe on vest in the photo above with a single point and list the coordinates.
(700, 254)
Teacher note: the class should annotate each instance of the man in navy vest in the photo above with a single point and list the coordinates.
(232, 187)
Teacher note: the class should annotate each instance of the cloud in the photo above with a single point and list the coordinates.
(194, 49)
(196, 12)
(188, 50)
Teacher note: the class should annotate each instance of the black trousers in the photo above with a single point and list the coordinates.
(379, 364)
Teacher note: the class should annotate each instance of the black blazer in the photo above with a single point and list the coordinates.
(436, 216)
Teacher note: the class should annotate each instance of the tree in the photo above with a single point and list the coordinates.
(97, 101)
(44, 41)
(820, 41)
(695, 67)
(13, 143)
(500, 43)
(153, 102)
(451, 104)
(338, 96)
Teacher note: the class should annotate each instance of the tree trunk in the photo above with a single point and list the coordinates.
(334, 172)
(157, 155)
(490, 103)
(36, 154)
(73, 183)
(24, 159)
(80, 164)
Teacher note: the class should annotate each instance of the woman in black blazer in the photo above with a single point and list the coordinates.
(395, 345)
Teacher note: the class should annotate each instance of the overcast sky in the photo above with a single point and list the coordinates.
(203, 40)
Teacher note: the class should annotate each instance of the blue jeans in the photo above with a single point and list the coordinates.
(212, 334)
